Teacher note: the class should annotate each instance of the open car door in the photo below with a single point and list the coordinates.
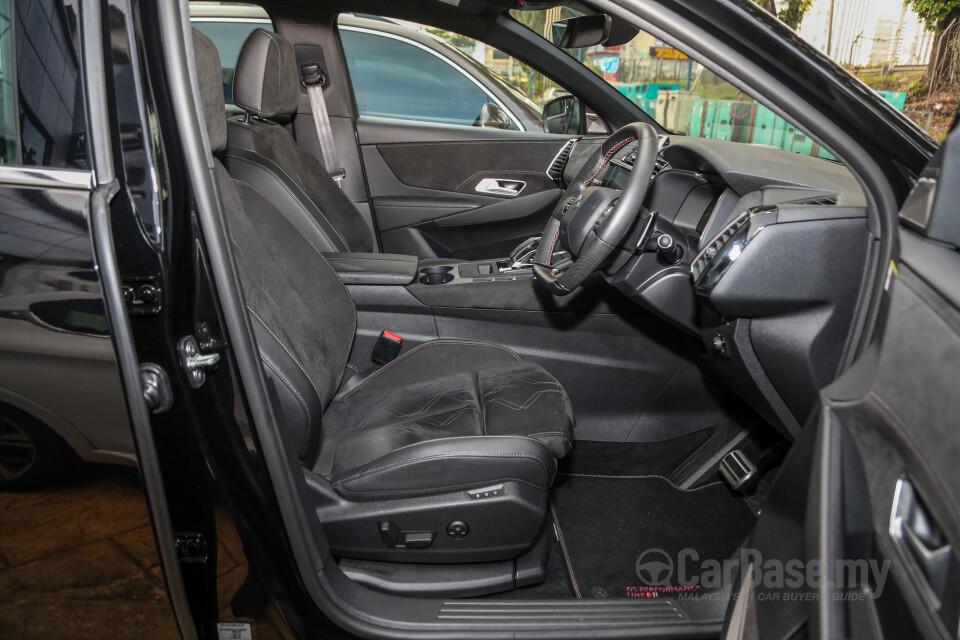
(859, 535)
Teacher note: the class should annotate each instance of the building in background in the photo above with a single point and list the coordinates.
(867, 32)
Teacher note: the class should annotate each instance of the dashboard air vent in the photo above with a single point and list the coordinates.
(711, 250)
(555, 170)
(825, 200)
(720, 253)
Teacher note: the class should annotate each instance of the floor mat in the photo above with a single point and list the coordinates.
(632, 458)
(623, 535)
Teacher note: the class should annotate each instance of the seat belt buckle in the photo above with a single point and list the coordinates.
(387, 347)
(339, 176)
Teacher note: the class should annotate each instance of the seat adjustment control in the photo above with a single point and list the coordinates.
(485, 492)
(395, 538)
(458, 529)
(418, 539)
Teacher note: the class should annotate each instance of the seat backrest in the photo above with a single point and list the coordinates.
(304, 320)
(263, 154)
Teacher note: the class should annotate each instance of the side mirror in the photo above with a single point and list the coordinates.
(582, 31)
(493, 117)
(564, 115)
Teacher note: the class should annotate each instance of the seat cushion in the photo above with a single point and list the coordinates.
(443, 400)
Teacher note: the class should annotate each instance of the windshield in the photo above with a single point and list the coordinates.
(680, 94)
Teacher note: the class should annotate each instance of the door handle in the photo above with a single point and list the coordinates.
(500, 187)
(933, 561)
(920, 542)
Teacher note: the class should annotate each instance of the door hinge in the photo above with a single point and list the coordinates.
(191, 547)
(195, 362)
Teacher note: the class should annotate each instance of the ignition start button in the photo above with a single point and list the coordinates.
(458, 529)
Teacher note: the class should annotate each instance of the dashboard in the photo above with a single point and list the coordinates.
(775, 247)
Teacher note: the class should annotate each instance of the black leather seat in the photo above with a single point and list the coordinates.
(262, 153)
(452, 431)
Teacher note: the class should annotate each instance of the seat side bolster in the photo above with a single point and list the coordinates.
(450, 464)
(299, 402)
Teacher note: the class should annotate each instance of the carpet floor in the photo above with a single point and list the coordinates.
(624, 535)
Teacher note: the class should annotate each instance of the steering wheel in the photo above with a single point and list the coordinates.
(590, 221)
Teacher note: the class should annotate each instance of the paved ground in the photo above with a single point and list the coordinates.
(78, 561)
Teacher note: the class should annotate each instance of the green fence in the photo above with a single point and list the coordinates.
(713, 119)
(896, 98)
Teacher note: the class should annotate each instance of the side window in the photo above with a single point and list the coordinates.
(42, 119)
(395, 78)
(228, 25)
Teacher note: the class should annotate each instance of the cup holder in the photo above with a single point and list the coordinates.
(439, 274)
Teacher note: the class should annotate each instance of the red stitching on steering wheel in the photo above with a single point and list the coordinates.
(552, 245)
(606, 159)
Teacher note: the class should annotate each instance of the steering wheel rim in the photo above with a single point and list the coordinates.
(610, 231)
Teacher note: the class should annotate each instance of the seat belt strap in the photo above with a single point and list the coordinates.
(314, 80)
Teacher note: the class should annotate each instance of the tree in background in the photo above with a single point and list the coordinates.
(791, 11)
(942, 17)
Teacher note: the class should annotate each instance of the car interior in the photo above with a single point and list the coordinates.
(506, 363)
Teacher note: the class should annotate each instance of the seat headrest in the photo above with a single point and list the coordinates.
(210, 76)
(266, 82)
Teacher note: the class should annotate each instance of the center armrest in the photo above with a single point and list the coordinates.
(374, 268)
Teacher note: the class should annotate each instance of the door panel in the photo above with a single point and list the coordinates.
(448, 191)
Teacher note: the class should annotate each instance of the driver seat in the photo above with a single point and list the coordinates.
(444, 455)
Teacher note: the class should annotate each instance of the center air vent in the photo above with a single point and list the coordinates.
(555, 170)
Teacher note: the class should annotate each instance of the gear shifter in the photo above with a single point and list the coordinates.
(522, 256)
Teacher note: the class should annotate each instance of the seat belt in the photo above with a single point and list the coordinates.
(314, 80)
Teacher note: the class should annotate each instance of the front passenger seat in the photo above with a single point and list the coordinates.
(444, 455)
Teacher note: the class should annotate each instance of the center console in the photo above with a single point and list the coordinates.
(467, 272)
(517, 266)
(396, 269)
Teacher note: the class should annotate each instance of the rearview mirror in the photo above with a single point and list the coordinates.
(582, 31)
(563, 115)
